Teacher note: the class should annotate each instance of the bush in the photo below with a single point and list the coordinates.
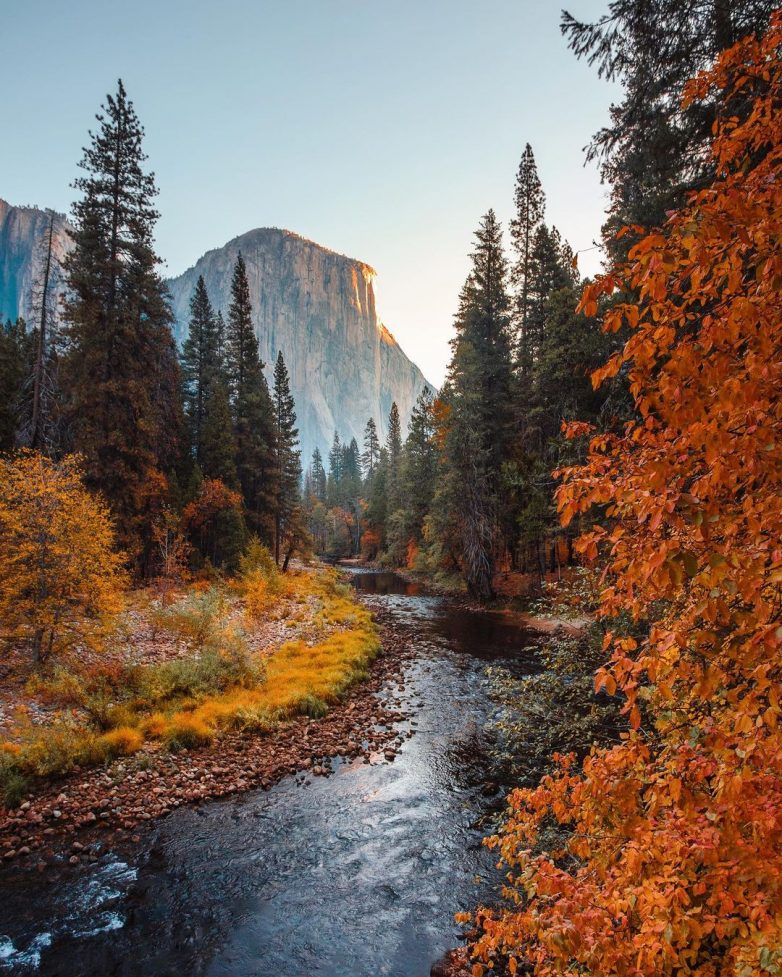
(257, 559)
(154, 726)
(14, 786)
(210, 672)
(195, 618)
(13, 783)
(121, 741)
(186, 731)
(259, 581)
(310, 705)
(253, 719)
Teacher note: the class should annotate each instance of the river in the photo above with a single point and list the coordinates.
(354, 875)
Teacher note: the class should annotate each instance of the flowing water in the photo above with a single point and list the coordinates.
(354, 875)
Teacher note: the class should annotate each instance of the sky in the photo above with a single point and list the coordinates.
(382, 129)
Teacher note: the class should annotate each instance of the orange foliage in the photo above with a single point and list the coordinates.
(411, 554)
(214, 497)
(61, 579)
(673, 858)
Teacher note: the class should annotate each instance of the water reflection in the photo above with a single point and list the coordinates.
(348, 876)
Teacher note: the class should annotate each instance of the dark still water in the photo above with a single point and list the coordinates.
(355, 875)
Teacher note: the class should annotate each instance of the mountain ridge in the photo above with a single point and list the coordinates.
(315, 304)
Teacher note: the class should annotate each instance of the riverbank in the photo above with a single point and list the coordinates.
(554, 609)
(357, 872)
(64, 818)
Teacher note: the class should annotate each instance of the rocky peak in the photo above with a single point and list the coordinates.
(318, 308)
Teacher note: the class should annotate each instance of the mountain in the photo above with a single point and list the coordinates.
(23, 237)
(317, 306)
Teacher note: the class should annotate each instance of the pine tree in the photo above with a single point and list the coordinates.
(335, 458)
(220, 329)
(288, 461)
(420, 466)
(377, 505)
(549, 270)
(218, 445)
(318, 475)
(251, 407)
(200, 366)
(654, 150)
(16, 353)
(394, 451)
(335, 472)
(371, 453)
(121, 372)
(480, 415)
(530, 204)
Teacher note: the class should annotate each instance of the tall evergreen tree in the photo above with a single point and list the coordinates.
(318, 474)
(251, 407)
(121, 369)
(335, 458)
(480, 413)
(549, 270)
(201, 367)
(371, 453)
(287, 459)
(420, 466)
(218, 444)
(377, 505)
(394, 452)
(654, 150)
(16, 353)
(530, 204)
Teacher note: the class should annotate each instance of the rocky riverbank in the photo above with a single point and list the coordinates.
(68, 820)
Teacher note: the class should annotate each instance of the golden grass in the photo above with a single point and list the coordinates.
(299, 677)
(122, 741)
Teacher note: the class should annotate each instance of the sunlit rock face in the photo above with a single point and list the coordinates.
(318, 307)
(23, 240)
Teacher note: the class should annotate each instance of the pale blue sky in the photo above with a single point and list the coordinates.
(383, 129)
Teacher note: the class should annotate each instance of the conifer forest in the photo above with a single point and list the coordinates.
(309, 664)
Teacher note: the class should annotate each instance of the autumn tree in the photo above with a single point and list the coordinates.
(62, 579)
(120, 370)
(672, 859)
(215, 523)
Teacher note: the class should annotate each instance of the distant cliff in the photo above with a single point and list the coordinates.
(318, 307)
(23, 238)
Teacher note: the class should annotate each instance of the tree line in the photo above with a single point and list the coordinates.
(191, 450)
(469, 491)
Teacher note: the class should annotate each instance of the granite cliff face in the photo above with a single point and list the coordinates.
(23, 239)
(318, 307)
